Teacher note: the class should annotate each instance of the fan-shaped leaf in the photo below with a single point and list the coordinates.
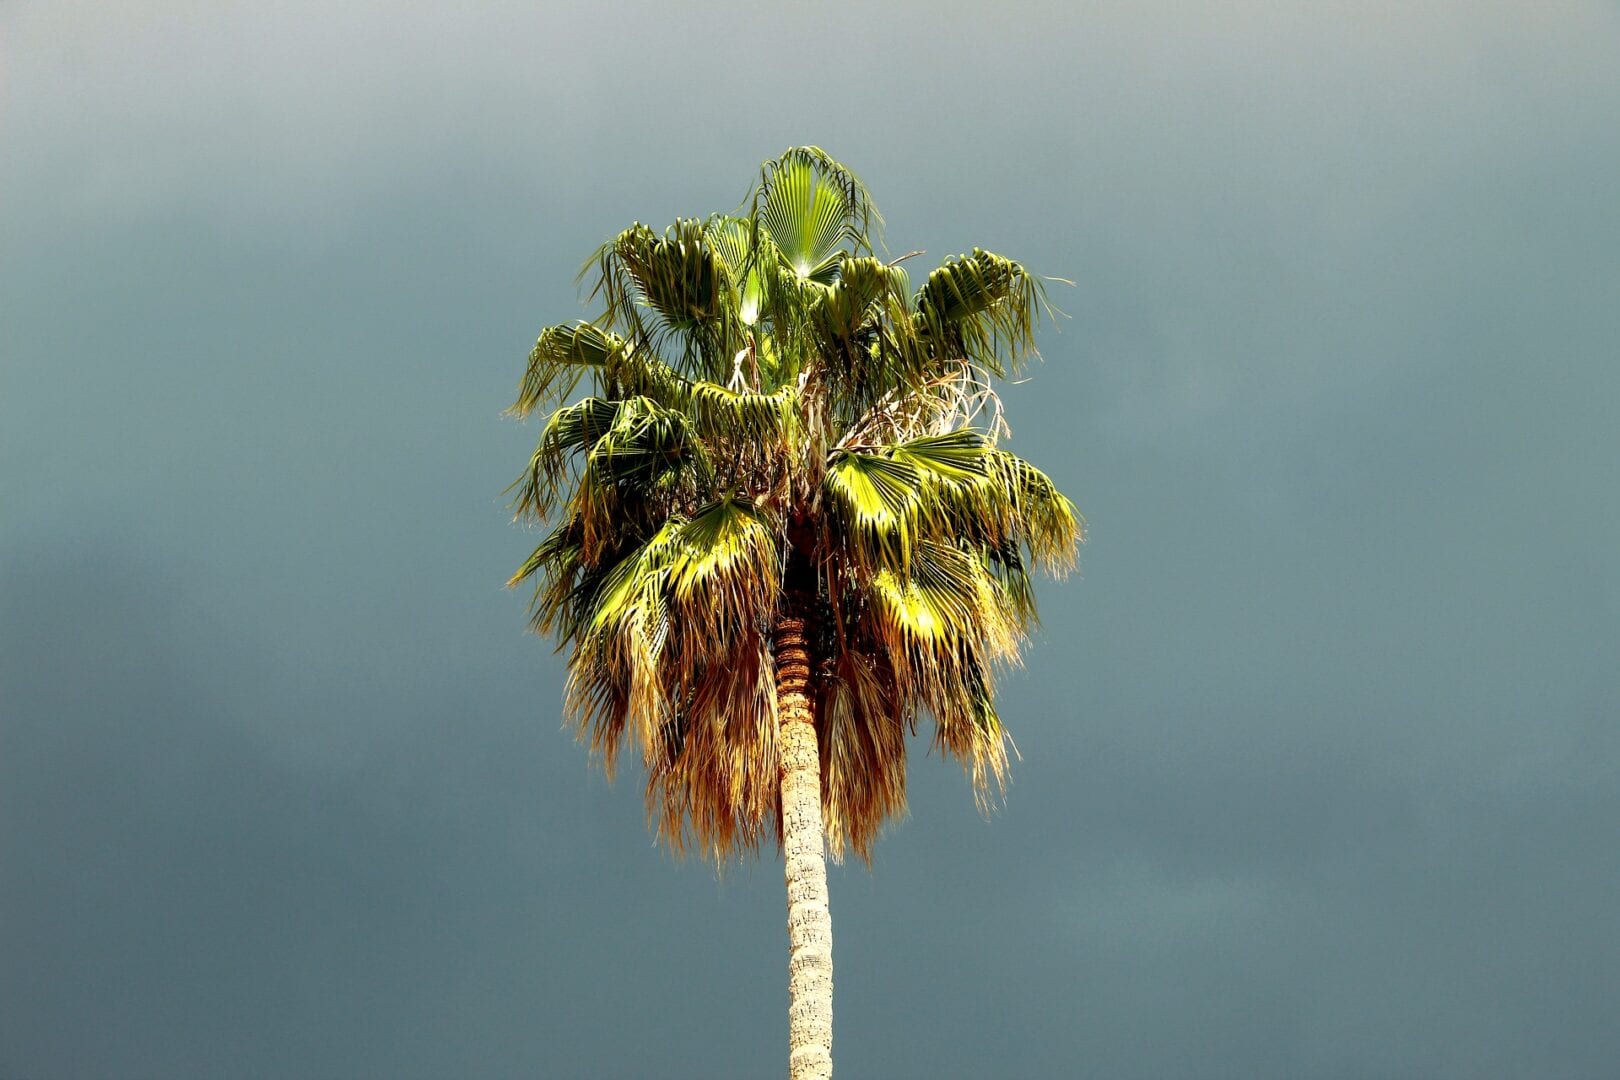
(1044, 520)
(741, 416)
(681, 276)
(724, 577)
(559, 357)
(983, 308)
(874, 500)
(810, 205)
(955, 457)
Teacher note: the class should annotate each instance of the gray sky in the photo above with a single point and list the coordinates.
(1319, 766)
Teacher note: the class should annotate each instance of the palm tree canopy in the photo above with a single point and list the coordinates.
(766, 418)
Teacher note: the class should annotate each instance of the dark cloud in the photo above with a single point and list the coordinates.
(1318, 749)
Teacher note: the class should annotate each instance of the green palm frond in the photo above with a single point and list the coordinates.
(864, 330)
(953, 457)
(558, 554)
(1004, 562)
(862, 281)
(638, 372)
(639, 461)
(968, 727)
(564, 354)
(673, 654)
(808, 215)
(953, 486)
(944, 597)
(560, 356)
(754, 418)
(566, 583)
(966, 498)
(725, 576)
(682, 278)
(940, 626)
(1044, 519)
(940, 487)
(631, 597)
(811, 206)
(874, 505)
(982, 308)
(569, 430)
(644, 442)
(751, 258)
(613, 677)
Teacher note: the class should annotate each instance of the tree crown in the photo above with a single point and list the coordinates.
(765, 418)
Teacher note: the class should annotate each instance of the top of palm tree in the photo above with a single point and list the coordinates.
(775, 423)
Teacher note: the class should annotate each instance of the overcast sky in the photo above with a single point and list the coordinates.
(1320, 750)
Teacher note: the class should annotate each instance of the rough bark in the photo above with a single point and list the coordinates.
(804, 856)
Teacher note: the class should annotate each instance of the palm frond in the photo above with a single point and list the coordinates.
(968, 727)
(613, 677)
(1044, 519)
(643, 455)
(951, 457)
(882, 500)
(863, 751)
(1005, 564)
(862, 327)
(874, 503)
(570, 430)
(556, 561)
(944, 597)
(560, 356)
(684, 280)
(811, 206)
(940, 626)
(563, 354)
(808, 216)
(673, 653)
(982, 308)
(725, 577)
(742, 416)
(567, 580)
(749, 257)
(962, 499)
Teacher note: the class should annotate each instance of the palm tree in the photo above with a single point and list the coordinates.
(784, 528)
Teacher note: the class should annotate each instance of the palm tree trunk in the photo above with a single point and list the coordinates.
(804, 855)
